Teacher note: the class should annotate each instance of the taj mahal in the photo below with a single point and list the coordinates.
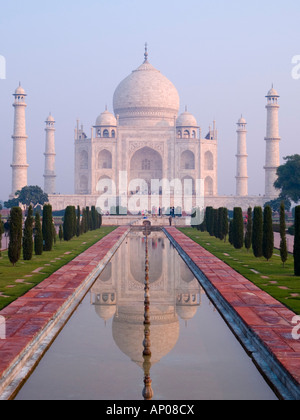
(146, 139)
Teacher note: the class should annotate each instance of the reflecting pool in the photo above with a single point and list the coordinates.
(99, 353)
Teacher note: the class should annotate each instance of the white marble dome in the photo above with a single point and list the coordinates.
(242, 120)
(146, 97)
(106, 119)
(20, 90)
(186, 119)
(50, 119)
(272, 92)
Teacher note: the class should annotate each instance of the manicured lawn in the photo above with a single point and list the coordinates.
(270, 276)
(15, 281)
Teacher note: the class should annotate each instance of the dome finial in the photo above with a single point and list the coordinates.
(146, 53)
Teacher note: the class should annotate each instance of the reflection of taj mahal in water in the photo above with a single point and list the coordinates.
(147, 138)
(118, 294)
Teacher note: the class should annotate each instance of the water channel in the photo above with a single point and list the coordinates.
(116, 346)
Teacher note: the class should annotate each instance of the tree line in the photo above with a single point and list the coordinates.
(39, 233)
(254, 232)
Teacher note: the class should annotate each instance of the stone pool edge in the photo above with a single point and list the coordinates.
(279, 378)
(23, 365)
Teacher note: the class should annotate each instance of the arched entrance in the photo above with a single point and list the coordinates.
(146, 164)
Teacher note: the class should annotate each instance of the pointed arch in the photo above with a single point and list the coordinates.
(105, 159)
(209, 161)
(187, 160)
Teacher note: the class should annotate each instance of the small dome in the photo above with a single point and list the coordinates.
(272, 92)
(50, 119)
(20, 91)
(106, 119)
(242, 121)
(186, 120)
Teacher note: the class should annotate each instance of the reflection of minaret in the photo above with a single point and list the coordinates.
(19, 164)
(242, 170)
(272, 143)
(49, 175)
(147, 391)
(103, 295)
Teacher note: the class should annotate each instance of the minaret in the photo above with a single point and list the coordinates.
(272, 144)
(242, 157)
(19, 164)
(49, 175)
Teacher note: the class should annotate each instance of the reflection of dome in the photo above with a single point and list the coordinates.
(146, 96)
(105, 312)
(128, 332)
(106, 119)
(186, 312)
(186, 120)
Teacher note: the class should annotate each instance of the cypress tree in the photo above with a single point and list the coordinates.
(82, 223)
(68, 227)
(85, 220)
(283, 243)
(268, 234)
(99, 218)
(47, 227)
(257, 233)
(94, 218)
(54, 234)
(208, 217)
(225, 224)
(248, 235)
(238, 228)
(220, 223)
(216, 223)
(88, 218)
(74, 221)
(60, 233)
(1, 233)
(15, 235)
(38, 235)
(230, 238)
(28, 236)
(297, 242)
(212, 222)
(78, 230)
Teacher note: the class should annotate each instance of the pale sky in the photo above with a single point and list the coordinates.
(222, 56)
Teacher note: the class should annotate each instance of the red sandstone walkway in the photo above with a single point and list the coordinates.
(269, 319)
(29, 315)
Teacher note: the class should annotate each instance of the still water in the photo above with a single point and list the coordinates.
(99, 353)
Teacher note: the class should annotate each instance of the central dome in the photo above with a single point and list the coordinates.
(146, 97)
